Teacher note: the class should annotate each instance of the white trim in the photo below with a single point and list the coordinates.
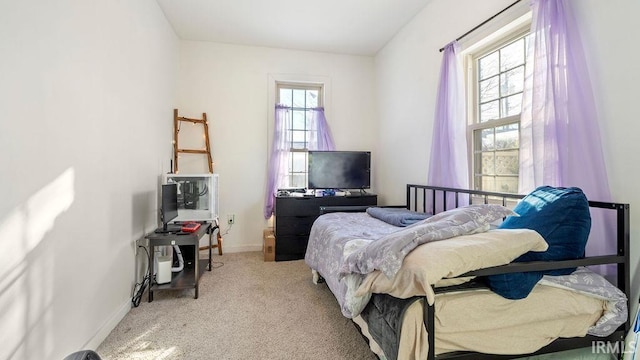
(517, 16)
(108, 326)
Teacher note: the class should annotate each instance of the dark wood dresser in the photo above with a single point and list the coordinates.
(295, 215)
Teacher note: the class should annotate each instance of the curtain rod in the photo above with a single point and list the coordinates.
(482, 23)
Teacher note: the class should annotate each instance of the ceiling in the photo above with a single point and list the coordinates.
(357, 27)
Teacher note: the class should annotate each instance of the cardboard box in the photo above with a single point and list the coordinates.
(269, 247)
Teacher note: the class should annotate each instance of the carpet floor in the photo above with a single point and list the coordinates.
(246, 309)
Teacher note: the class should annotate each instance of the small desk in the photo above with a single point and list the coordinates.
(189, 276)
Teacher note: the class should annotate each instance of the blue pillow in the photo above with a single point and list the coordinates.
(561, 216)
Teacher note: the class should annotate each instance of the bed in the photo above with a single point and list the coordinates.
(471, 291)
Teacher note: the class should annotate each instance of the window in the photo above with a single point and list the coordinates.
(495, 89)
(302, 99)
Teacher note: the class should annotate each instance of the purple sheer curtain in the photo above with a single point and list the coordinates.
(560, 138)
(448, 165)
(278, 162)
(320, 137)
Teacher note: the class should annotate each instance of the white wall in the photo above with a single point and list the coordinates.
(86, 92)
(407, 71)
(407, 75)
(234, 86)
(615, 73)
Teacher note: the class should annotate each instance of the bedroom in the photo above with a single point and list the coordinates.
(88, 91)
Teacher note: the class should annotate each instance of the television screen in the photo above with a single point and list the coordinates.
(169, 205)
(339, 169)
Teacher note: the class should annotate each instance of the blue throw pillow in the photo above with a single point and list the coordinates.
(561, 216)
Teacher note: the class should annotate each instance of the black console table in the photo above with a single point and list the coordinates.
(295, 215)
(189, 277)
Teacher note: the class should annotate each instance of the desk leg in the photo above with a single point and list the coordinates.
(211, 231)
(196, 249)
(151, 263)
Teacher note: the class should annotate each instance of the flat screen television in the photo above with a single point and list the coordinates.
(339, 170)
(168, 205)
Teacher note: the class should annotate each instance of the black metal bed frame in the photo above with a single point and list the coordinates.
(421, 197)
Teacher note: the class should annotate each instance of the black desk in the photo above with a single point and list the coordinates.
(189, 276)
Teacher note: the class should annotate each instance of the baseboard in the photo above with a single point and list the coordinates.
(108, 326)
(236, 249)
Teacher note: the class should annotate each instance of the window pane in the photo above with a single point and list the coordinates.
(311, 135)
(488, 183)
(488, 65)
(298, 98)
(506, 162)
(298, 181)
(298, 120)
(489, 89)
(298, 138)
(309, 116)
(285, 97)
(512, 105)
(312, 98)
(507, 137)
(512, 81)
(489, 111)
(487, 139)
(488, 161)
(512, 55)
(506, 184)
(299, 163)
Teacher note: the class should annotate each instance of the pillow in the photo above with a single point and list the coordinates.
(561, 216)
(397, 216)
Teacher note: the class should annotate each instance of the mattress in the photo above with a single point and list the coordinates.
(481, 321)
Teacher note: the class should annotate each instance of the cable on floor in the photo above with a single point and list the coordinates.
(140, 287)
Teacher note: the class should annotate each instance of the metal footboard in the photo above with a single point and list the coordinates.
(435, 199)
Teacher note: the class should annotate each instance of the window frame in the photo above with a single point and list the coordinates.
(320, 88)
(470, 59)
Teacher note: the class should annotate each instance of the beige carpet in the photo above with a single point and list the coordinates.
(247, 309)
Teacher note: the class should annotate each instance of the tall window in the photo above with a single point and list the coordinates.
(301, 98)
(495, 88)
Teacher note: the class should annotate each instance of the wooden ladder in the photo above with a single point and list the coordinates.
(177, 150)
(207, 151)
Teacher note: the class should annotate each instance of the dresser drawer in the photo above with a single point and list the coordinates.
(292, 206)
(291, 247)
(294, 225)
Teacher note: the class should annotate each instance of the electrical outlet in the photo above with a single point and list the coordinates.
(231, 219)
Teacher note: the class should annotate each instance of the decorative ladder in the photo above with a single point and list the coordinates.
(207, 151)
(176, 149)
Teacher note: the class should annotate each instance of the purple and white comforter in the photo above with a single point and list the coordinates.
(339, 244)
